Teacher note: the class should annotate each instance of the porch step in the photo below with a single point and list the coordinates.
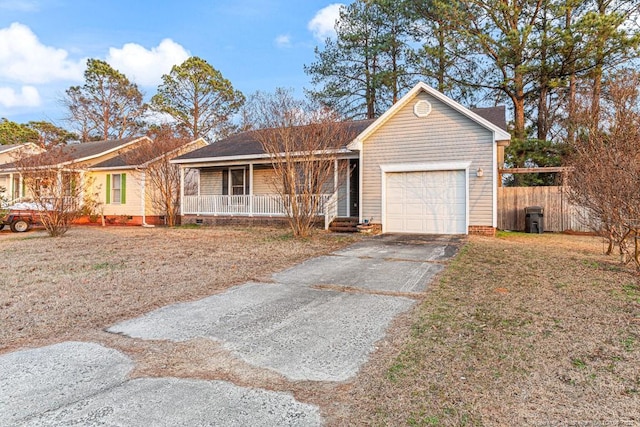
(344, 225)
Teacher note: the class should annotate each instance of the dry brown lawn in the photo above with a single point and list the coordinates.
(520, 330)
(53, 289)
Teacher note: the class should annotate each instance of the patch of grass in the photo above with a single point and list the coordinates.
(629, 343)
(578, 363)
(590, 263)
(423, 420)
(101, 266)
(396, 371)
(632, 292)
(189, 226)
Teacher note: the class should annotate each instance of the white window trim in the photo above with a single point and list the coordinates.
(422, 167)
(116, 200)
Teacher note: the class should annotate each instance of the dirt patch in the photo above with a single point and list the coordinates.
(535, 330)
(58, 289)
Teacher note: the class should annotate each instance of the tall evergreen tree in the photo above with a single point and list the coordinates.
(106, 106)
(199, 99)
(363, 71)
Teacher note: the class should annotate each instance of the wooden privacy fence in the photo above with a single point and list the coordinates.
(559, 214)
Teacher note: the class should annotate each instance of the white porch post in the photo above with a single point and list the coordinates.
(20, 185)
(182, 189)
(11, 190)
(335, 175)
(250, 189)
(143, 208)
(348, 187)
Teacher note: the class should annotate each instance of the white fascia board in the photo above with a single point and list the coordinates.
(113, 168)
(250, 157)
(425, 167)
(220, 159)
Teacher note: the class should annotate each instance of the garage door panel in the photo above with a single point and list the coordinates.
(426, 202)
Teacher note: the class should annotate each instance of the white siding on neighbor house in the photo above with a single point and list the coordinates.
(444, 135)
(5, 182)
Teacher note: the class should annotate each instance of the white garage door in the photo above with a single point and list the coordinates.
(426, 202)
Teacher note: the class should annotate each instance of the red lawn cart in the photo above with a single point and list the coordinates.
(20, 220)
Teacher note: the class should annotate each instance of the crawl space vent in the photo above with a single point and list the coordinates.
(422, 108)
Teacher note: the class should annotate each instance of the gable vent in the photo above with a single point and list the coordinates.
(422, 108)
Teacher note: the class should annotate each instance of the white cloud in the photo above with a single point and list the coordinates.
(283, 41)
(20, 5)
(322, 25)
(27, 97)
(23, 58)
(145, 66)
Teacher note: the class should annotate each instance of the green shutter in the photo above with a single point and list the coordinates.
(108, 188)
(24, 189)
(123, 188)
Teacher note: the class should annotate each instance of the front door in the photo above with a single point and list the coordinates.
(354, 188)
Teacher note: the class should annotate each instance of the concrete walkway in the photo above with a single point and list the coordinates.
(318, 321)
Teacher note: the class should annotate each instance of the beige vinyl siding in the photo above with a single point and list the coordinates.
(133, 198)
(443, 136)
(263, 181)
(210, 182)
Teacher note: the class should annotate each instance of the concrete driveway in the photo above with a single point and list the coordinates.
(317, 321)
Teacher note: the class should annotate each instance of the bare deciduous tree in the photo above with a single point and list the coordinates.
(304, 144)
(606, 162)
(161, 177)
(55, 187)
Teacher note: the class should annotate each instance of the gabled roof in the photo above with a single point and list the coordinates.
(134, 159)
(74, 153)
(245, 145)
(90, 150)
(499, 134)
(7, 148)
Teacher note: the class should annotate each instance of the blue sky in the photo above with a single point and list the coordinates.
(256, 44)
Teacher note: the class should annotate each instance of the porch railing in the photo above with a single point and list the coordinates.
(256, 205)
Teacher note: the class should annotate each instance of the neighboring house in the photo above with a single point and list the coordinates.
(8, 153)
(113, 174)
(122, 185)
(427, 165)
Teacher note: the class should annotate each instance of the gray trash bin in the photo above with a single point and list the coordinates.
(534, 219)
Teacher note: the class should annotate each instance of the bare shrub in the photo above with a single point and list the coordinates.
(152, 158)
(606, 162)
(56, 188)
(304, 143)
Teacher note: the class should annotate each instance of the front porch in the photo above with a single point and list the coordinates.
(263, 205)
(249, 190)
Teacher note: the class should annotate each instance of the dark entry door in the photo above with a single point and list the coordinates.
(354, 188)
